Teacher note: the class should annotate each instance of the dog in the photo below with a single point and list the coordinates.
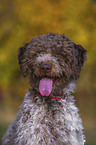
(48, 115)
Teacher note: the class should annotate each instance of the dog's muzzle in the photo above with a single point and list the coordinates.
(45, 68)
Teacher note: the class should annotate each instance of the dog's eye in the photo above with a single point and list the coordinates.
(57, 50)
(66, 59)
(40, 50)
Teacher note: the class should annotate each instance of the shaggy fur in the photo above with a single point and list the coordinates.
(41, 119)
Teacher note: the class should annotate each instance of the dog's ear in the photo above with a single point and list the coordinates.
(22, 59)
(80, 58)
(82, 55)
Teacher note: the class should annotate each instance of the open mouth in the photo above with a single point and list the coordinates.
(46, 85)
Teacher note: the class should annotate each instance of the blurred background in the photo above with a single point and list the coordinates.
(20, 21)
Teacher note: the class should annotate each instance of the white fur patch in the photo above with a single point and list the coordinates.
(37, 129)
(47, 57)
(70, 88)
(44, 57)
(68, 117)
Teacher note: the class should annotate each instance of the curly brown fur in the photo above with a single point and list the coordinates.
(70, 56)
(41, 120)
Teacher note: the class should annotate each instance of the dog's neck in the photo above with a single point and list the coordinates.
(63, 94)
(59, 96)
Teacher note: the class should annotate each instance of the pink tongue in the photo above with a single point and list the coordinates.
(45, 86)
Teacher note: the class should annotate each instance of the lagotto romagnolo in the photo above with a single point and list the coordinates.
(48, 115)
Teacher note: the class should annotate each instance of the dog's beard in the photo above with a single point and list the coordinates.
(47, 84)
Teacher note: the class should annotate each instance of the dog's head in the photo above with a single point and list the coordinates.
(51, 61)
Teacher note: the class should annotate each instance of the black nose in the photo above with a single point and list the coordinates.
(45, 68)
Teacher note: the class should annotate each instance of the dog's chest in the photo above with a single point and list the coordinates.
(52, 125)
